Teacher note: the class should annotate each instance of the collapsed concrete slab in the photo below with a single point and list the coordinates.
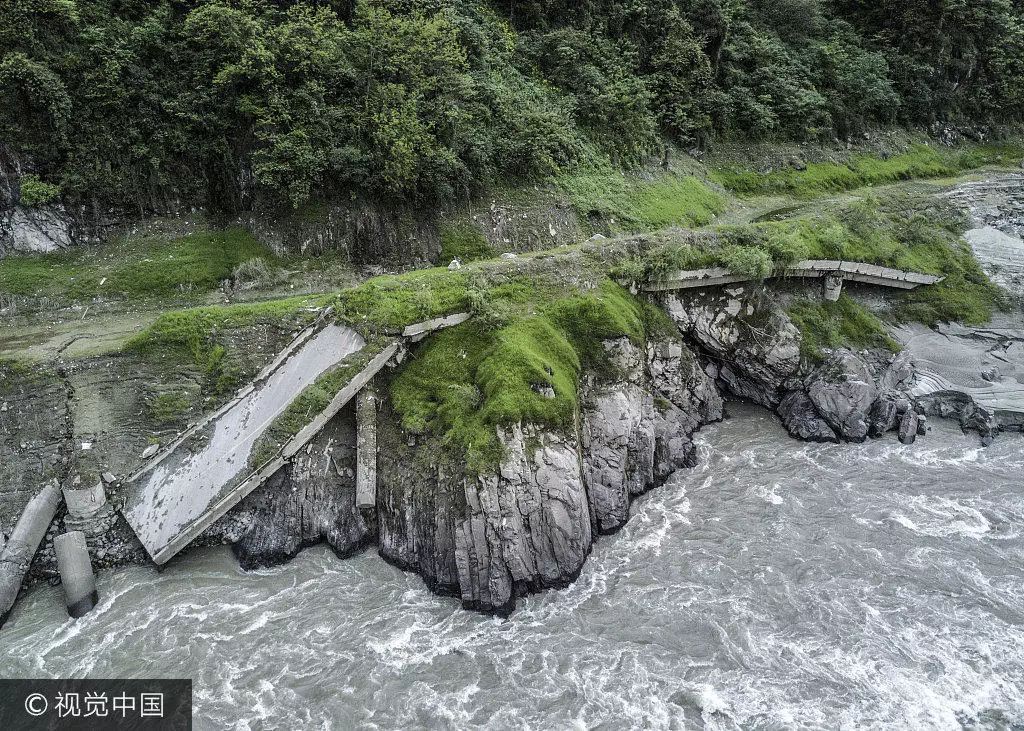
(206, 472)
(834, 271)
(186, 487)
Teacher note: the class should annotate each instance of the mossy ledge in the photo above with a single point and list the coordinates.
(540, 318)
(860, 170)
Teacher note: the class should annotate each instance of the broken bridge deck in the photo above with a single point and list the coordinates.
(204, 473)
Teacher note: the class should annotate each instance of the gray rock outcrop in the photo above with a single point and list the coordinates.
(530, 524)
(35, 230)
(802, 420)
(311, 500)
(843, 390)
(750, 343)
(846, 398)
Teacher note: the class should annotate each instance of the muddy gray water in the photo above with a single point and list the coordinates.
(777, 585)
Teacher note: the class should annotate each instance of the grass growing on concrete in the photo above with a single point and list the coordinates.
(465, 382)
(462, 240)
(628, 204)
(904, 232)
(835, 324)
(313, 400)
(133, 268)
(921, 161)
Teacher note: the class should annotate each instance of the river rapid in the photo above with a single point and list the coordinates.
(776, 585)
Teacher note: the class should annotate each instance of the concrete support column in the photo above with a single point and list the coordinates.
(24, 542)
(76, 573)
(366, 448)
(833, 287)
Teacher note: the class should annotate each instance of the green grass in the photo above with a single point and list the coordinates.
(861, 170)
(309, 404)
(462, 240)
(825, 325)
(167, 408)
(140, 268)
(196, 334)
(465, 382)
(627, 204)
(391, 302)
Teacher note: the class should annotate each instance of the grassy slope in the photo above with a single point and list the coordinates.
(133, 268)
(861, 170)
(633, 204)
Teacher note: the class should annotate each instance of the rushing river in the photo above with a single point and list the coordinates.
(777, 585)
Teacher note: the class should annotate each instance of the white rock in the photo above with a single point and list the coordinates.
(150, 451)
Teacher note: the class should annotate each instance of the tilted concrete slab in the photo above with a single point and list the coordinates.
(809, 268)
(203, 474)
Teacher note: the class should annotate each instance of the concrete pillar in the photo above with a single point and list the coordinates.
(24, 542)
(85, 503)
(76, 573)
(833, 287)
(366, 448)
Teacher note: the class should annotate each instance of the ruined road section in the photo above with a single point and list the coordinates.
(206, 472)
(827, 269)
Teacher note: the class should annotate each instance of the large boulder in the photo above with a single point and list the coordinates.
(843, 390)
(802, 420)
(752, 345)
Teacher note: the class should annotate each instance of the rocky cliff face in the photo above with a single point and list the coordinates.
(750, 345)
(753, 351)
(530, 524)
(311, 500)
(527, 525)
(28, 230)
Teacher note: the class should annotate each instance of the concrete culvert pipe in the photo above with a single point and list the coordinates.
(76, 573)
(28, 533)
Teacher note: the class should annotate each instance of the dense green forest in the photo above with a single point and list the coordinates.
(141, 103)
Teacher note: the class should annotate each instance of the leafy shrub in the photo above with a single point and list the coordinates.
(748, 261)
(34, 192)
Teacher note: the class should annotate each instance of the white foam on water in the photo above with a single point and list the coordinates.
(942, 517)
(769, 495)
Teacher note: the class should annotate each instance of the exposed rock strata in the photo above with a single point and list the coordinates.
(750, 343)
(530, 525)
(752, 349)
